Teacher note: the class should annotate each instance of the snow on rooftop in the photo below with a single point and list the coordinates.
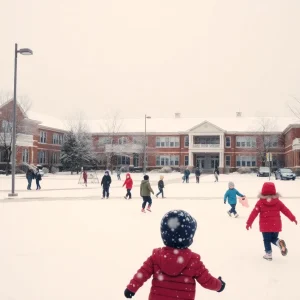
(173, 125)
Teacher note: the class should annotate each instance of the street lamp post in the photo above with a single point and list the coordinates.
(145, 142)
(24, 51)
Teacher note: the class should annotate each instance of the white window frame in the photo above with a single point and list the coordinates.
(25, 155)
(42, 158)
(229, 138)
(43, 137)
(245, 142)
(186, 160)
(246, 161)
(167, 160)
(186, 141)
(227, 156)
(122, 140)
(167, 142)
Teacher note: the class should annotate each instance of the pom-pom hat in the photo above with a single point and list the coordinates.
(268, 189)
(178, 229)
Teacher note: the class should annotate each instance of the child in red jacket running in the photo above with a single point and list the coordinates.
(128, 184)
(175, 268)
(269, 207)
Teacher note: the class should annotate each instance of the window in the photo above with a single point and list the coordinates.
(105, 140)
(25, 156)
(138, 140)
(123, 160)
(167, 142)
(245, 141)
(186, 141)
(42, 157)
(228, 142)
(57, 139)
(207, 140)
(167, 160)
(227, 161)
(272, 141)
(7, 126)
(246, 161)
(43, 136)
(54, 158)
(186, 160)
(122, 140)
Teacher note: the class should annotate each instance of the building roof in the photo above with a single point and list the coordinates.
(173, 125)
(181, 125)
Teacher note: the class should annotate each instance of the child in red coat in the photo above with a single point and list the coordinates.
(175, 268)
(128, 184)
(269, 207)
(84, 175)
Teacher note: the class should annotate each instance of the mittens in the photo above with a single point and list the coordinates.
(223, 285)
(295, 221)
(128, 294)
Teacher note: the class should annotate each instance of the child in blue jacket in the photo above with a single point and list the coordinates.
(231, 196)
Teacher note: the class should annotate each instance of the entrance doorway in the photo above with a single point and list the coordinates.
(200, 161)
(214, 161)
(136, 160)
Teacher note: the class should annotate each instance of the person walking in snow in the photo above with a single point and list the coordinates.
(197, 174)
(161, 186)
(84, 176)
(119, 174)
(216, 173)
(269, 208)
(29, 177)
(175, 268)
(128, 184)
(105, 183)
(145, 191)
(38, 178)
(187, 174)
(230, 195)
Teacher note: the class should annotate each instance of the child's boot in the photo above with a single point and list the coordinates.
(148, 208)
(143, 210)
(268, 256)
(236, 215)
(229, 213)
(281, 244)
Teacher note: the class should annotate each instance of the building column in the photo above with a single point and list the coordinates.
(191, 158)
(221, 159)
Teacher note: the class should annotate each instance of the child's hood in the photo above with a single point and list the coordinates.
(269, 200)
(172, 261)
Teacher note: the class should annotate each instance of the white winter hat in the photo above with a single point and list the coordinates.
(230, 184)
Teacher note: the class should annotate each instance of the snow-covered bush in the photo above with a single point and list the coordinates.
(54, 170)
(166, 169)
(244, 170)
(45, 170)
(155, 171)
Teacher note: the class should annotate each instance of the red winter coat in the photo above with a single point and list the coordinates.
(175, 273)
(84, 175)
(128, 182)
(269, 214)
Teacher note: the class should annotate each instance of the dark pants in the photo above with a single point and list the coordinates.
(216, 177)
(187, 178)
(128, 193)
(38, 187)
(197, 179)
(232, 210)
(146, 199)
(161, 191)
(29, 180)
(119, 176)
(270, 238)
(105, 191)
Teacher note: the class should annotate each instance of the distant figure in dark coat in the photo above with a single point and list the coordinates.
(216, 173)
(187, 175)
(197, 174)
(105, 183)
(29, 177)
(38, 178)
(161, 187)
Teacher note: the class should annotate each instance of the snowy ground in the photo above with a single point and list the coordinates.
(64, 242)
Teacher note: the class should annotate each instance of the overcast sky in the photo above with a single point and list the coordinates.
(200, 58)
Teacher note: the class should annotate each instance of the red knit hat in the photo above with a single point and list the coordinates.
(268, 189)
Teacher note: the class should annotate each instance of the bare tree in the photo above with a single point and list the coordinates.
(23, 126)
(267, 138)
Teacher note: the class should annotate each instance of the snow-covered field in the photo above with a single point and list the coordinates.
(64, 242)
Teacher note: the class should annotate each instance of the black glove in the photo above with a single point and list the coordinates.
(128, 294)
(223, 285)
